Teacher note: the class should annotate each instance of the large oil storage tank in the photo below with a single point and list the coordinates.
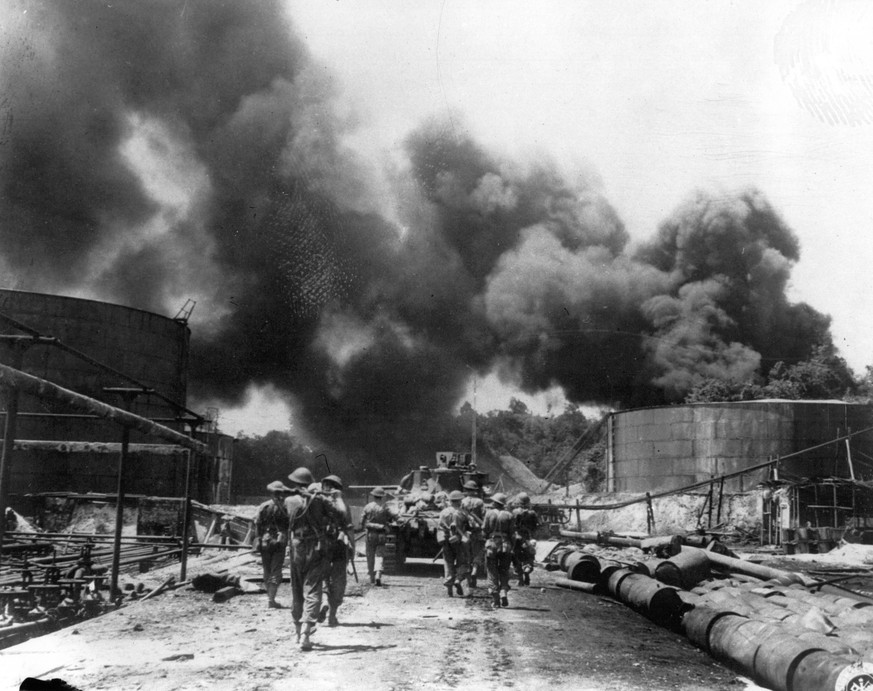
(654, 449)
(149, 348)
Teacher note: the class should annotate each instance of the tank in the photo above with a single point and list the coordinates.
(421, 496)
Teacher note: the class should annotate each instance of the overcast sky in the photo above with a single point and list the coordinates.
(655, 98)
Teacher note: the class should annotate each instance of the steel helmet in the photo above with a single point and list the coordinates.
(456, 496)
(523, 499)
(275, 486)
(302, 477)
(377, 492)
(499, 499)
(333, 480)
(472, 485)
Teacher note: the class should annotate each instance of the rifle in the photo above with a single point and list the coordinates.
(354, 568)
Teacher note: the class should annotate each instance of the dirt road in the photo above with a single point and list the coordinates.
(405, 635)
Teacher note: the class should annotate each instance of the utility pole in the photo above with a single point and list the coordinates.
(475, 415)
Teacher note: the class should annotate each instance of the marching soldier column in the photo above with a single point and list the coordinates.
(313, 521)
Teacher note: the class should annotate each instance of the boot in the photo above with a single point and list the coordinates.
(472, 581)
(332, 620)
(504, 600)
(459, 589)
(322, 615)
(378, 578)
(305, 643)
(297, 627)
(495, 601)
(449, 589)
(372, 579)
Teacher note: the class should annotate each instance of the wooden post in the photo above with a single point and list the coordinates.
(709, 511)
(650, 515)
(119, 515)
(849, 458)
(127, 396)
(578, 516)
(186, 518)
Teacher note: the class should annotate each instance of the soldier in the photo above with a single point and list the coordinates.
(499, 528)
(473, 506)
(454, 536)
(271, 539)
(310, 516)
(375, 519)
(341, 550)
(523, 548)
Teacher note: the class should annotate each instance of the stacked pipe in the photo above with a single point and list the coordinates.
(764, 622)
(659, 602)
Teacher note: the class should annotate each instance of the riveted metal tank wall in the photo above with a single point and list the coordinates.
(653, 449)
(151, 348)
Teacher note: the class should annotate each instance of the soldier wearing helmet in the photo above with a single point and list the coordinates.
(454, 535)
(375, 519)
(524, 546)
(473, 507)
(310, 517)
(498, 528)
(271, 539)
(341, 549)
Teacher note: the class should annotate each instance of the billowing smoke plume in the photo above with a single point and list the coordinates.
(156, 151)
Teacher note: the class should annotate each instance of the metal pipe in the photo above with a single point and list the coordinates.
(51, 340)
(746, 567)
(15, 378)
(97, 537)
(575, 585)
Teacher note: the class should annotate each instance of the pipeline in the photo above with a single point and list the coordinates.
(667, 544)
(759, 630)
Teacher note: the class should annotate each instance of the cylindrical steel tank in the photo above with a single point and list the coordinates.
(146, 347)
(653, 449)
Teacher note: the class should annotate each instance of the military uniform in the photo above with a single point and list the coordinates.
(499, 528)
(341, 549)
(310, 517)
(454, 536)
(375, 519)
(523, 552)
(271, 534)
(474, 508)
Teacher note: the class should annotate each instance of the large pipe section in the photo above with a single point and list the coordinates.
(16, 379)
(758, 630)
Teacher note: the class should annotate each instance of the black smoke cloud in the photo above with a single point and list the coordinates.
(368, 313)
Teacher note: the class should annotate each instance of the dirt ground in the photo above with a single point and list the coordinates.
(406, 634)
